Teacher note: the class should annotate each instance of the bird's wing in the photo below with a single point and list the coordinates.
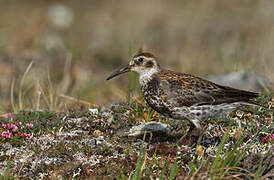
(187, 90)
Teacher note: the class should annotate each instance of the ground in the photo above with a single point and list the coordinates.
(90, 142)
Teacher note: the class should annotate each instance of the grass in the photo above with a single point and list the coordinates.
(20, 97)
(229, 158)
(7, 175)
(139, 165)
(225, 165)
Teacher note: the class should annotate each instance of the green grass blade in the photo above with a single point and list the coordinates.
(163, 171)
(257, 175)
(138, 169)
(192, 169)
(241, 156)
(173, 171)
(7, 175)
(230, 155)
(216, 161)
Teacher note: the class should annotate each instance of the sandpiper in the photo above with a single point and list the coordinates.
(183, 96)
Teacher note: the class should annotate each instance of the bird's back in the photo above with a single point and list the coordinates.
(169, 91)
(191, 90)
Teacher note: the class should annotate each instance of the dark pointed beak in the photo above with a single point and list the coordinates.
(119, 71)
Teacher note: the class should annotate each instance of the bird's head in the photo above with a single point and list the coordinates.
(144, 64)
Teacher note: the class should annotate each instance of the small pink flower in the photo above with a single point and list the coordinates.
(29, 125)
(9, 126)
(13, 125)
(264, 138)
(6, 134)
(14, 129)
(27, 135)
(20, 134)
(271, 137)
(3, 126)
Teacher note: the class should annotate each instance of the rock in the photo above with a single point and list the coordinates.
(93, 111)
(241, 80)
(149, 127)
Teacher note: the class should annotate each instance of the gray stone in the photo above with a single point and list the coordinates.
(149, 127)
(241, 80)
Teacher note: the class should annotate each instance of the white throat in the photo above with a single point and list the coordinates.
(147, 75)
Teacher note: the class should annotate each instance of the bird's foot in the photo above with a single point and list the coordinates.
(200, 136)
(192, 137)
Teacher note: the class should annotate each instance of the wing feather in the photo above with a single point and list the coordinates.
(187, 90)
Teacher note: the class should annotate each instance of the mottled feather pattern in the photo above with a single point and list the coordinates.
(191, 90)
(183, 96)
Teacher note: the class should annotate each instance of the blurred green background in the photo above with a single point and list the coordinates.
(74, 45)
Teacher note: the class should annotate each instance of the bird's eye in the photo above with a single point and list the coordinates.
(140, 59)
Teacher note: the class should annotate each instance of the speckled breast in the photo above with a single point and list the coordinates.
(153, 93)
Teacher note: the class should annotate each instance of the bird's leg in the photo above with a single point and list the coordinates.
(200, 136)
(187, 135)
(195, 129)
(199, 131)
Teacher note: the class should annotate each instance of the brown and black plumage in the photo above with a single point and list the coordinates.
(183, 96)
